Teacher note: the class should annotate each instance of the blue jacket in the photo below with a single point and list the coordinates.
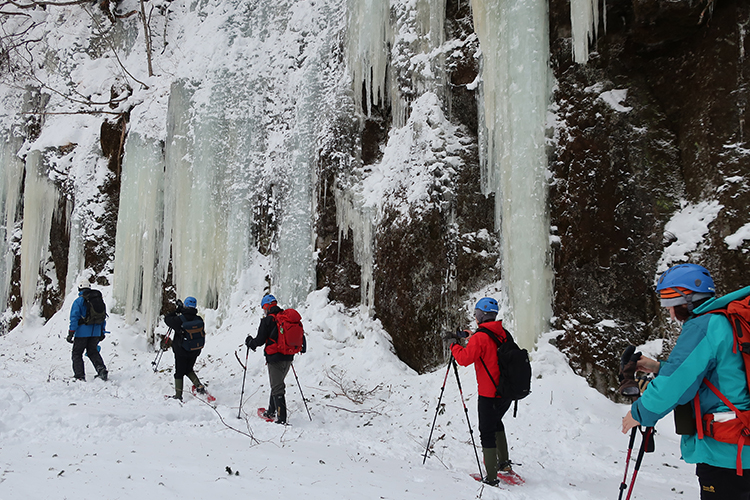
(704, 349)
(78, 312)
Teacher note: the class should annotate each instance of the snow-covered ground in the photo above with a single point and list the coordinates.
(122, 439)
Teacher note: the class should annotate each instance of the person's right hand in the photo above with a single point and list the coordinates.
(69, 338)
(648, 365)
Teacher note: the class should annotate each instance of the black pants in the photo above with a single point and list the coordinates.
(491, 412)
(88, 344)
(184, 361)
(718, 483)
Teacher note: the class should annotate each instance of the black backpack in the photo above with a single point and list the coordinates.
(193, 334)
(515, 368)
(96, 311)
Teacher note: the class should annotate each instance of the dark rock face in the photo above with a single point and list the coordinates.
(620, 175)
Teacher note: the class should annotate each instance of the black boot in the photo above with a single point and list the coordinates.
(271, 410)
(280, 402)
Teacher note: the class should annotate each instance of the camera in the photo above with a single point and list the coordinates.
(628, 365)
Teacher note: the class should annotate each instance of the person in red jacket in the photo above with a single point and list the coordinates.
(481, 350)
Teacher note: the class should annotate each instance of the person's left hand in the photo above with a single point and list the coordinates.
(248, 342)
(628, 422)
(69, 338)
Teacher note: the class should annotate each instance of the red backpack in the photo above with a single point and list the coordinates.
(736, 308)
(291, 333)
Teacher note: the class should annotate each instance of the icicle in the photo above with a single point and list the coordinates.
(352, 214)
(584, 23)
(40, 202)
(368, 39)
(515, 71)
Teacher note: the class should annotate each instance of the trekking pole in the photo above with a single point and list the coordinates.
(440, 399)
(624, 484)
(244, 374)
(644, 444)
(466, 411)
(159, 354)
(300, 392)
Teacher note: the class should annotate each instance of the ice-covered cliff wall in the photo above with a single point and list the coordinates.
(224, 126)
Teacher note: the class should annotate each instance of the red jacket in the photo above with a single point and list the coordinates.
(482, 348)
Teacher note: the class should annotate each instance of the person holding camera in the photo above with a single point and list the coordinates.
(704, 354)
(481, 350)
(187, 325)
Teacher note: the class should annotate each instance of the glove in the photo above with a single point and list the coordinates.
(248, 342)
(70, 336)
(457, 335)
(179, 305)
(165, 343)
(102, 337)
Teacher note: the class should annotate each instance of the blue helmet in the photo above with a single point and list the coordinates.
(190, 302)
(683, 284)
(691, 276)
(487, 304)
(267, 299)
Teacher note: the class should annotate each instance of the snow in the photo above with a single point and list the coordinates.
(687, 228)
(736, 239)
(123, 439)
(614, 98)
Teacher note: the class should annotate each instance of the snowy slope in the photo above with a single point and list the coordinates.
(122, 439)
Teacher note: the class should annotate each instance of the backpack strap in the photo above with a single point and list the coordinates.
(742, 416)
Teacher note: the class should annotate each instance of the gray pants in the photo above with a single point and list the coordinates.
(276, 374)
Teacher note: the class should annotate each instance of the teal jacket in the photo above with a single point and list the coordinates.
(704, 349)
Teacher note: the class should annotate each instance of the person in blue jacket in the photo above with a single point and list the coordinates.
(704, 349)
(85, 337)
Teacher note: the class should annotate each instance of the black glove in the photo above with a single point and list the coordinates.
(179, 305)
(70, 336)
(165, 343)
(249, 343)
(456, 336)
(102, 337)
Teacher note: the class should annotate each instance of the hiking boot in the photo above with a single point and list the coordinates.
(200, 389)
(269, 414)
(491, 482)
(79, 379)
(103, 374)
(506, 467)
(280, 409)
(178, 398)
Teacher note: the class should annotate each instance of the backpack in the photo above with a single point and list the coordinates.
(96, 311)
(737, 430)
(193, 334)
(291, 333)
(515, 368)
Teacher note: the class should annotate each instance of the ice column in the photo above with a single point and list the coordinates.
(515, 73)
(39, 204)
(296, 274)
(139, 261)
(11, 175)
(194, 198)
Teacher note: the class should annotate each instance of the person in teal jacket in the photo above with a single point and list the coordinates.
(704, 349)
